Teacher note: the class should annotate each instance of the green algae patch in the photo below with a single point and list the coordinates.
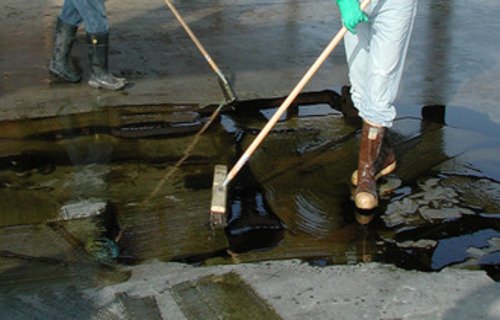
(224, 296)
(140, 307)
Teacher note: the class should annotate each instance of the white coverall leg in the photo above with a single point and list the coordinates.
(376, 55)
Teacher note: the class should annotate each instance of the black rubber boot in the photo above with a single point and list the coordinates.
(60, 65)
(100, 77)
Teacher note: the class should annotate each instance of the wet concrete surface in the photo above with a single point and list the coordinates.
(91, 198)
(264, 48)
(87, 216)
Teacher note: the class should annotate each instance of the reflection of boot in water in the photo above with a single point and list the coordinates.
(90, 157)
(365, 244)
(364, 217)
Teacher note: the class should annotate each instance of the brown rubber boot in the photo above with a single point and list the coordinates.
(385, 163)
(366, 197)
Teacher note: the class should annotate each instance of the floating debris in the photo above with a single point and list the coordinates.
(423, 243)
(102, 248)
(82, 209)
(434, 202)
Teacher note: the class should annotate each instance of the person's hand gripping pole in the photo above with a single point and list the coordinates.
(352, 14)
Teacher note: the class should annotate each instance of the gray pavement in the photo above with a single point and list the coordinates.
(264, 47)
(290, 289)
(298, 291)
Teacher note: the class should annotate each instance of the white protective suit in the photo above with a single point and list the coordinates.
(376, 55)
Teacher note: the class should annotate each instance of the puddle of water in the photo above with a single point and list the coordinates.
(291, 201)
(251, 223)
(305, 174)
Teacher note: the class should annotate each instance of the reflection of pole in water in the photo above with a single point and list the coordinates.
(291, 25)
(436, 85)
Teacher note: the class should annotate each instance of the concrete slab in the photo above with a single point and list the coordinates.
(264, 48)
(298, 291)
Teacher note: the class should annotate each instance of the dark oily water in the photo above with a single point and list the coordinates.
(442, 179)
(85, 192)
(62, 177)
(77, 195)
(251, 223)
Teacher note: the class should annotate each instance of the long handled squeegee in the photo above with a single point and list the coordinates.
(221, 179)
(226, 88)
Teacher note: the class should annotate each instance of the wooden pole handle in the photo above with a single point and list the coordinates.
(288, 101)
(195, 39)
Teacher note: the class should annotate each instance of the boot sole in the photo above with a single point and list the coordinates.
(97, 85)
(384, 172)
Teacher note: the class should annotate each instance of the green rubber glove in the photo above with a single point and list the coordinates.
(351, 14)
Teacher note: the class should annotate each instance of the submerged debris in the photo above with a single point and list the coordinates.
(82, 209)
(434, 202)
(423, 243)
(102, 248)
